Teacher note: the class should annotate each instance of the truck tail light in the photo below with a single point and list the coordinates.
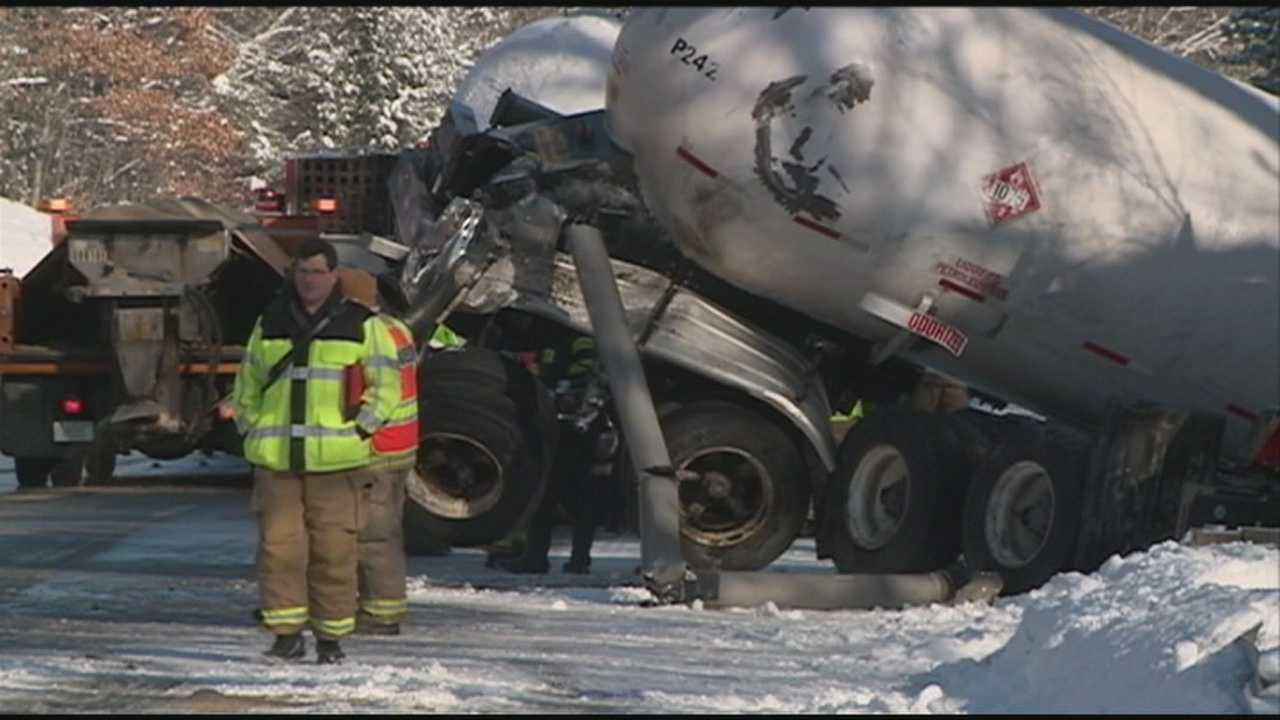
(56, 205)
(72, 405)
(326, 205)
(268, 201)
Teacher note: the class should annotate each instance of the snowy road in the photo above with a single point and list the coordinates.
(137, 599)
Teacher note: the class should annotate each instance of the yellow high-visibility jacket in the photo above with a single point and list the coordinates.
(298, 423)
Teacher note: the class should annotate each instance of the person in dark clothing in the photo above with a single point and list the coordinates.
(581, 479)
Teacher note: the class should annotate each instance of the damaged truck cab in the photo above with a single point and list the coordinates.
(746, 410)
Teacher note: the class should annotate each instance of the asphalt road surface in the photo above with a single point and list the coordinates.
(111, 597)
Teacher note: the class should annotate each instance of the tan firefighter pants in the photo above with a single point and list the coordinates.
(307, 526)
(381, 547)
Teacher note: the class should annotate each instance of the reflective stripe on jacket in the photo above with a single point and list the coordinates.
(298, 423)
(398, 438)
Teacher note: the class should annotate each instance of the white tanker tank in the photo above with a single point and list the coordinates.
(1072, 216)
(559, 62)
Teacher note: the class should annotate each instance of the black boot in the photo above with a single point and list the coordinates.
(288, 647)
(584, 535)
(537, 545)
(501, 554)
(328, 652)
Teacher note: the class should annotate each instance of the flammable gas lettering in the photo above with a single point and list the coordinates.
(975, 277)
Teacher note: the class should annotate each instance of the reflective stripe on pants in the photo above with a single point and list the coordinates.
(306, 558)
(285, 621)
(381, 545)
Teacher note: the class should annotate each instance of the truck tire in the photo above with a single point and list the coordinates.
(1022, 509)
(454, 370)
(99, 462)
(69, 471)
(751, 501)
(479, 471)
(33, 472)
(893, 496)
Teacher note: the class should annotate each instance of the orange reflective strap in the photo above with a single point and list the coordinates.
(408, 374)
(396, 438)
(408, 382)
(399, 337)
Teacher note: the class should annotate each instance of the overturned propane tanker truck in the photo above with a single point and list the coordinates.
(801, 208)
(808, 205)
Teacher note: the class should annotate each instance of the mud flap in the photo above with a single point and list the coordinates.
(1138, 468)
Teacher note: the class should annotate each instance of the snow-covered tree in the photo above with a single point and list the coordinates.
(112, 104)
(117, 103)
(351, 78)
(1239, 42)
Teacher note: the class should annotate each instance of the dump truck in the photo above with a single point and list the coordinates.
(808, 206)
(130, 330)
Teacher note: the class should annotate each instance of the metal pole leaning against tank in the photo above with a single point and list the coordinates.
(661, 561)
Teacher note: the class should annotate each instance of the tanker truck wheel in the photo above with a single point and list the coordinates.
(751, 496)
(1022, 510)
(479, 470)
(895, 494)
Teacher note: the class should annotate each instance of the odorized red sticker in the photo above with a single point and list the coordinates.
(939, 332)
(1009, 193)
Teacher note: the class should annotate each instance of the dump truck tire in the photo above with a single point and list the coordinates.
(33, 472)
(894, 496)
(69, 471)
(99, 465)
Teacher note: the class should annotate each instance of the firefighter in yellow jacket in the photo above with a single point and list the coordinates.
(311, 458)
(381, 543)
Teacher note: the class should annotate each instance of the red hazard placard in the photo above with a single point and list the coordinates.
(1009, 193)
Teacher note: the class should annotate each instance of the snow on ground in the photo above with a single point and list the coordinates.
(1150, 632)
